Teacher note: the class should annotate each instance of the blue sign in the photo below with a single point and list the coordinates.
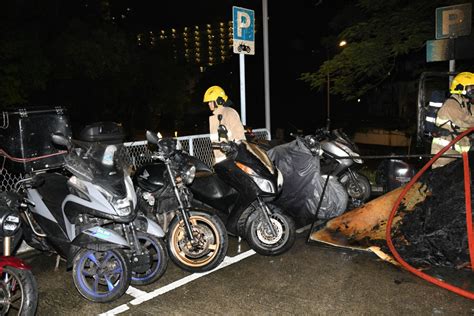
(244, 30)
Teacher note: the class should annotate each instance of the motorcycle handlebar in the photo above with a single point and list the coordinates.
(225, 147)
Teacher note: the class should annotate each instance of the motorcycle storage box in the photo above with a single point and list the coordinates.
(103, 132)
(26, 133)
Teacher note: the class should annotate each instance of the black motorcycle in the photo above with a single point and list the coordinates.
(196, 238)
(242, 188)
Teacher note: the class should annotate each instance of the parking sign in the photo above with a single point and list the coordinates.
(453, 21)
(244, 31)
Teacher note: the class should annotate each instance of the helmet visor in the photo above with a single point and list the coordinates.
(470, 91)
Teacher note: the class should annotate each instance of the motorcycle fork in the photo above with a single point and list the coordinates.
(353, 178)
(7, 246)
(266, 212)
(184, 215)
(131, 236)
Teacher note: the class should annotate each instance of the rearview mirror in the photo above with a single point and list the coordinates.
(61, 140)
(152, 137)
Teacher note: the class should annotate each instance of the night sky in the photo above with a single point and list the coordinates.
(294, 44)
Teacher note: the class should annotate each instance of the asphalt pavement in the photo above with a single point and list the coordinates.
(310, 279)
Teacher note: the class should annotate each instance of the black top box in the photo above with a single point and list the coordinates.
(103, 132)
(25, 137)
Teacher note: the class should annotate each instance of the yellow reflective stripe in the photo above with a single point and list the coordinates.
(444, 143)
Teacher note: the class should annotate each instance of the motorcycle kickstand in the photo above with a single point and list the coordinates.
(266, 211)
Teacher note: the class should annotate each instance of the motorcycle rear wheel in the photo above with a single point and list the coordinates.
(101, 276)
(158, 255)
(260, 238)
(18, 292)
(210, 246)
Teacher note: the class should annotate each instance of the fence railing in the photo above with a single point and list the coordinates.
(139, 154)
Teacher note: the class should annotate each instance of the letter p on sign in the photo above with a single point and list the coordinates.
(453, 21)
(244, 29)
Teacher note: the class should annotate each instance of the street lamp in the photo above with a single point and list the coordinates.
(342, 43)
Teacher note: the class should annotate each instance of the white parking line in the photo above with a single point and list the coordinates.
(145, 296)
(135, 292)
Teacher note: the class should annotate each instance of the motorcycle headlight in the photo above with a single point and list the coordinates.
(188, 175)
(123, 207)
(264, 184)
(10, 223)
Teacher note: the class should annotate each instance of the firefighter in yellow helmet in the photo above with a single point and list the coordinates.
(454, 117)
(219, 104)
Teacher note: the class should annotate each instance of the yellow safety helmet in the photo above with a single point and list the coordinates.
(461, 82)
(217, 94)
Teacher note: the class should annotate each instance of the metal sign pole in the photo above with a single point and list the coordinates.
(266, 66)
(243, 114)
(244, 44)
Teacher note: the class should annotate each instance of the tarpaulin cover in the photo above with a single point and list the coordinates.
(303, 184)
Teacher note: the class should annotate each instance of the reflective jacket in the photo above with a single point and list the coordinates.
(231, 120)
(454, 116)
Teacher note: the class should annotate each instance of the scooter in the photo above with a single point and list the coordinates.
(85, 212)
(242, 188)
(196, 238)
(340, 158)
(18, 287)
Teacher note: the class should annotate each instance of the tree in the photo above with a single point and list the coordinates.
(379, 42)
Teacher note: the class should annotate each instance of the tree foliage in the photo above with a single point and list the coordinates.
(386, 32)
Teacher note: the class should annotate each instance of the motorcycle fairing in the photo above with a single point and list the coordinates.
(262, 165)
(99, 239)
(151, 227)
(48, 196)
(14, 262)
(151, 177)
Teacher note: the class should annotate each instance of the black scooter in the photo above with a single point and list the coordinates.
(242, 189)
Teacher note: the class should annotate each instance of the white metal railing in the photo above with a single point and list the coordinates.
(139, 154)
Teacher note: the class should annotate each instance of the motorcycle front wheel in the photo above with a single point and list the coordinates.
(156, 258)
(101, 276)
(208, 247)
(18, 292)
(359, 190)
(260, 237)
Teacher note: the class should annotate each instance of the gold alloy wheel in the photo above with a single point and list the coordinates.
(205, 247)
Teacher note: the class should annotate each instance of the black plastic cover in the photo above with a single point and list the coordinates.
(303, 184)
(103, 132)
(26, 133)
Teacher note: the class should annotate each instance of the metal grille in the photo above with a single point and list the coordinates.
(139, 154)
